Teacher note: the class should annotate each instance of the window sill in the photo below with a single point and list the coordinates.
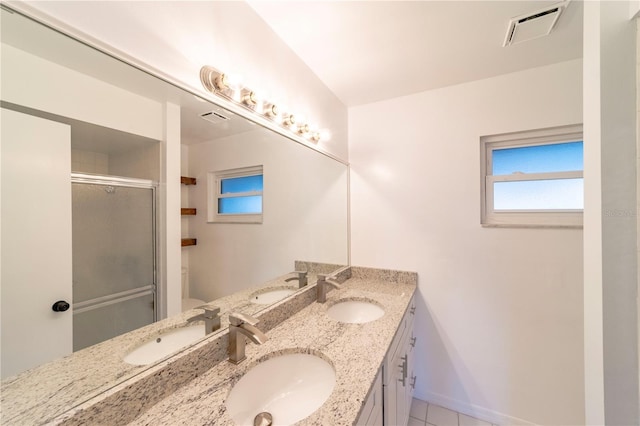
(529, 226)
(248, 218)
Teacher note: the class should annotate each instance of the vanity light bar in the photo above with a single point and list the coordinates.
(221, 84)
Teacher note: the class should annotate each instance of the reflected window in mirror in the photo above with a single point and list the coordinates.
(235, 196)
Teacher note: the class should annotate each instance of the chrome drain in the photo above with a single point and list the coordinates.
(263, 419)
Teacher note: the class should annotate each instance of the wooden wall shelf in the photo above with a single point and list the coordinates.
(186, 242)
(189, 242)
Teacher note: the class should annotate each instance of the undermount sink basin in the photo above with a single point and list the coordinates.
(355, 311)
(288, 387)
(165, 344)
(271, 296)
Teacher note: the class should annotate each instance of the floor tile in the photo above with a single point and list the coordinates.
(415, 422)
(440, 416)
(418, 409)
(465, 420)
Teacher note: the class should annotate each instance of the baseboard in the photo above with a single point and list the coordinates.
(472, 410)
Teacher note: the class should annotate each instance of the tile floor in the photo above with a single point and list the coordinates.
(425, 414)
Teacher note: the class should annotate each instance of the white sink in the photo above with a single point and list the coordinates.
(289, 387)
(165, 344)
(355, 311)
(271, 296)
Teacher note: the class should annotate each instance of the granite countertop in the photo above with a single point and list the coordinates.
(356, 352)
(43, 393)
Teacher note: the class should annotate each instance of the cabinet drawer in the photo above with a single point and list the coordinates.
(401, 337)
(398, 375)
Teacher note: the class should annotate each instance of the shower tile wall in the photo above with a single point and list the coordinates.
(140, 163)
(89, 162)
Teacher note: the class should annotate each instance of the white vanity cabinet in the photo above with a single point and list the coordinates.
(389, 400)
(398, 372)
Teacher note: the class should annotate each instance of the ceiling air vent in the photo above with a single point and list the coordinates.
(533, 25)
(214, 117)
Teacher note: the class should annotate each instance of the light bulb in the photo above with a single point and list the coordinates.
(221, 82)
(249, 98)
(303, 128)
(270, 110)
(289, 120)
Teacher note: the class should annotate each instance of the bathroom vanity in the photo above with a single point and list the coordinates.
(371, 361)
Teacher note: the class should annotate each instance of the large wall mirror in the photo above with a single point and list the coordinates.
(82, 157)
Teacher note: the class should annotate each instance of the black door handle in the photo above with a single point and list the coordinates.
(60, 306)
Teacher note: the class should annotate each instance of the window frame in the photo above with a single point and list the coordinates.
(566, 218)
(214, 194)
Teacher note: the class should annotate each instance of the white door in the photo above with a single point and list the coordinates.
(35, 250)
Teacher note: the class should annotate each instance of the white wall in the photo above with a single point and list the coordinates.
(593, 327)
(304, 214)
(177, 38)
(500, 310)
(169, 212)
(611, 262)
(638, 163)
(36, 83)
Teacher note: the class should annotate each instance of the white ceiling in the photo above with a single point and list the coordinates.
(365, 51)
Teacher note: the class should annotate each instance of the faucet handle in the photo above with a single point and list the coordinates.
(209, 310)
(329, 279)
(300, 273)
(236, 318)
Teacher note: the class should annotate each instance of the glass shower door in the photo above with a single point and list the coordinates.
(113, 257)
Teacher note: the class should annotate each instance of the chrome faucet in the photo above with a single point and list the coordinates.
(302, 278)
(321, 286)
(245, 325)
(210, 318)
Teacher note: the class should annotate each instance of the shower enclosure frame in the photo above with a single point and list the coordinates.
(152, 289)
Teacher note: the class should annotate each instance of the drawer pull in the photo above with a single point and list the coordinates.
(403, 367)
(403, 381)
(412, 310)
(413, 382)
(413, 341)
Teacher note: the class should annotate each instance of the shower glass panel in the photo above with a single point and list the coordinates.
(101, 323)
(113, 257)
